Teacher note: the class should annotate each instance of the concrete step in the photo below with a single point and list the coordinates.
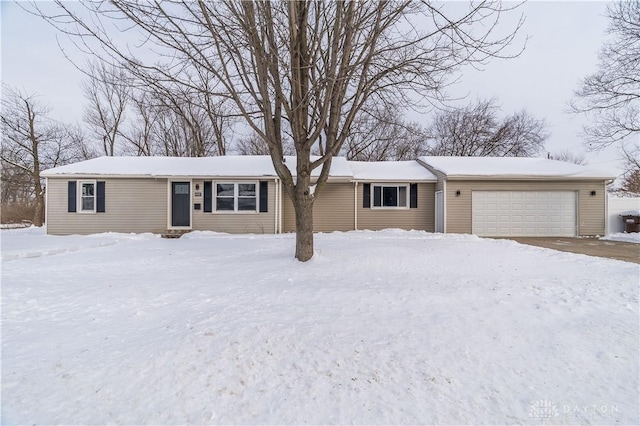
(174, 233)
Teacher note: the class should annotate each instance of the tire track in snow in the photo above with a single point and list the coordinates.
(55, 251)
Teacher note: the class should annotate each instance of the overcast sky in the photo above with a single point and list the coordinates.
(564, 39)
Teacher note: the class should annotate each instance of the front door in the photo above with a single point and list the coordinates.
(180, 204)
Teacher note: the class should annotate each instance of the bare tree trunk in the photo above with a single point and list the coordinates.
(38, 217)
(304, 220)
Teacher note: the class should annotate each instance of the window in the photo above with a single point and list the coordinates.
(236, 197)
(87, 197)
(389, 196)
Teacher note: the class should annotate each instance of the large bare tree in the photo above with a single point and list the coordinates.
(611, 96)
(298, 69)
(477, 130)
(32, 142)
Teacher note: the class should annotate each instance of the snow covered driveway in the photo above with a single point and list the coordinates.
(379, 327)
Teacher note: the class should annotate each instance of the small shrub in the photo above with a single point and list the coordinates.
(17, 212)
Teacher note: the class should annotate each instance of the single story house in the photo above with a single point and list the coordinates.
(243, 194)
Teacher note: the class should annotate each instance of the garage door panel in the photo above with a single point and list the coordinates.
(524, 213)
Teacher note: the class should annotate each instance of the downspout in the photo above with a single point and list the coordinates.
(606, 207)
(46, 204)
(355, 206)
(277, 209)
(280, 206)
(444, 206)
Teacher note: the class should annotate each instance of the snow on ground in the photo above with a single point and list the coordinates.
(387, 327)
(631, 237)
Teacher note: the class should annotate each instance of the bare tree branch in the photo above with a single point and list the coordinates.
(568, 156)
(108, 92)
(476, 131)
(610, 97)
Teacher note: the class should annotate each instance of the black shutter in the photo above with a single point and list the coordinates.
(208, 194)
(264, 196)
(377, 196)
(100, 197)
(71, 196)
(366, 195)
(413, 196)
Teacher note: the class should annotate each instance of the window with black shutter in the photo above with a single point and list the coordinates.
(100, 204)
(208, 196)
(391, 196)
(413, 196)
(71, 196)
(366, 195)
(264, 196)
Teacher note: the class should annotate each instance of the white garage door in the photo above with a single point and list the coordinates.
(524, 213)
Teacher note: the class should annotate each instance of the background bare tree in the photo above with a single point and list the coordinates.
(254, 145)
(139, 130)
(187, 125)
(568, 156)
(611, 96)
(630, 181)
(108, 92)
(31, 142)
(476, 130)
(303, 69)
(168, 120)
(380, 133)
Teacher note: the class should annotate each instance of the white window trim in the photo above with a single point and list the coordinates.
(79, 196)
(396, 185)
(214, 196)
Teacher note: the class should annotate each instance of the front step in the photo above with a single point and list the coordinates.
(174, 233)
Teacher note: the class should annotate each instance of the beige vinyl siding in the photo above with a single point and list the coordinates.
(590, 210)
(131, 205)
(421, 218)
(332, 210)
(234, 223)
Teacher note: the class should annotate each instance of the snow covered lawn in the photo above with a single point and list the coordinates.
(379, 327)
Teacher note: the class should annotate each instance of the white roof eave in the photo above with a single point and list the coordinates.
(423, 180)
(152, 176)
(525, 177)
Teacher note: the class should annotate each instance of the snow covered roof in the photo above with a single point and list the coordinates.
(512, 167)
(410, 171)
(168, 166)
(261, 166)
(238, 166)
(226, 166)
